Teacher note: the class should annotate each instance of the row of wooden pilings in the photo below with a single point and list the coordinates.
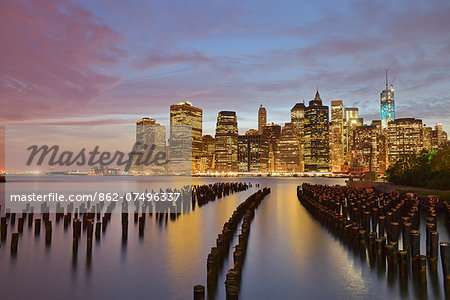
(202, 194)
(20, 224)
(89, 219)
(245, 211)
(375, 223)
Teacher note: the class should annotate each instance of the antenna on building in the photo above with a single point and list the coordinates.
(386, 77)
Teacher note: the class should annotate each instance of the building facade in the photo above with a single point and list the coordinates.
(316, 136)
(365, 148)
(262, 118)
(404, 137)
(184, 114)
(337, 136)
(150, 140)
(272, 133)
(387, 105)
(205, 161)
(226, 142)
(288, 151)
(253, 153)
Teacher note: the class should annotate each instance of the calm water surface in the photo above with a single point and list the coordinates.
(289, 256)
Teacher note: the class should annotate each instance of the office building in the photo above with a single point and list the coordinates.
(226, 142)
(316, 136)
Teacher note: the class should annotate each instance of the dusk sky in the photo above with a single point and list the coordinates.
(113, 61)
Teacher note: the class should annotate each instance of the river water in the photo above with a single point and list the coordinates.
(289, 256)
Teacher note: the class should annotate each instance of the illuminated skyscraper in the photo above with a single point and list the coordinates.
(365, 148)
(337, 136)
(438, 137)
(287, 154)
(404, 137)
(150, 140)
(262, 118)
(427, 133)
(184, 114)
(253, 152)
(298, 119)
(272, 133)
(387, 105)
(226, 142)
(316, 137)
(352, 120)
(205, 161)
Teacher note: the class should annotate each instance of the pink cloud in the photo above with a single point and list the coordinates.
(155, 60)
(52, 55)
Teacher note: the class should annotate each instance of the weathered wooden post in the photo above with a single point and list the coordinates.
(434, 242)
(403, 263)
(420, 267)
(20, 225)
(98, 227)
(415, 243)
(231, 285)
(14, 242)
(48, 232)
(406, 236)
(429, 228)
(199, 292)
(37, 226)
(445, 259)
(381, 226)
(3, 228)
(76, 224)
(141, 226)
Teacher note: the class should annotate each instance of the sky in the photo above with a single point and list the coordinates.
(112, 61)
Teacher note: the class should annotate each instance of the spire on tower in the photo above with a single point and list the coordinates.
(386, 77)
(317, 97)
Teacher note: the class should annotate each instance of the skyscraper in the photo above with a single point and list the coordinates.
(287, 155)
(150, 140)
(316, 138)
(404, 137)
(298, 119)
(427, 133)
(226, 142)
(337, 135)
(352, 120)
(438, 137)
(205, 161)
(365, 148)
(262, 118)
(253, 152)
(387, 105)
(272, 133)
(184, 114)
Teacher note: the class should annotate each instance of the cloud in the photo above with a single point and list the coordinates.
(223, 55)
(155, 60)
(55, 57)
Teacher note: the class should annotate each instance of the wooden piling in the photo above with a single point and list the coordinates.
(403, 263)
(415, 243)
(445, 259)
(199, 292)
(14, 242)
(98, 227)
(3, 228)
(37, 226)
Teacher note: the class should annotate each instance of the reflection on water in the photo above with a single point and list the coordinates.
(289, 256)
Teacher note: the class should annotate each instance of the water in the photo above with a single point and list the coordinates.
(289, 256)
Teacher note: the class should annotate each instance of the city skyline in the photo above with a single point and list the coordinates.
(258, 58)
(316, 139)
